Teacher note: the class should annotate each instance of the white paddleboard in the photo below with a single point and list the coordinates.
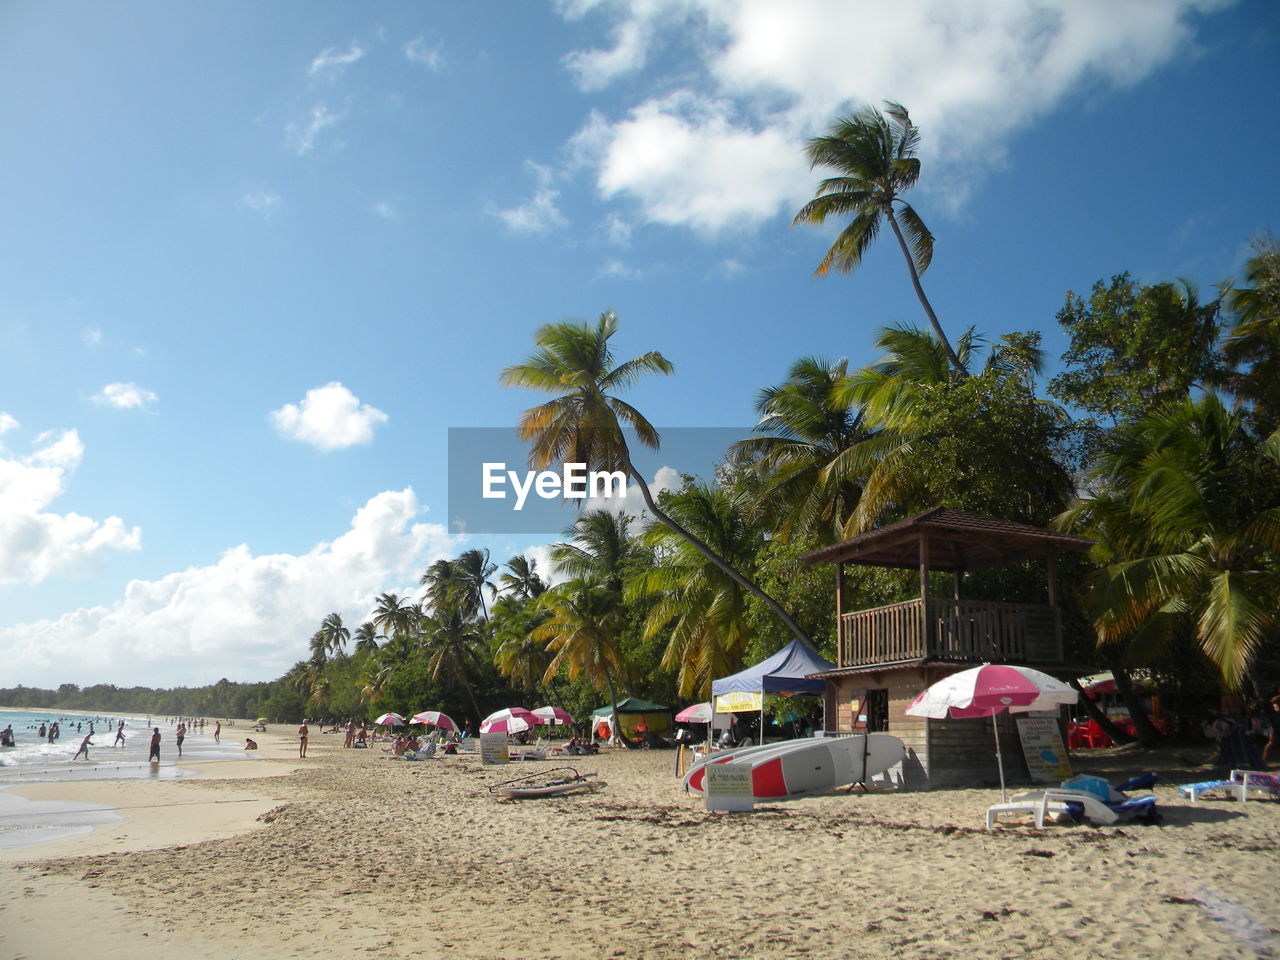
(797, 768)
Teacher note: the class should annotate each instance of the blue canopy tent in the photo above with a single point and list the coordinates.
(786, 673)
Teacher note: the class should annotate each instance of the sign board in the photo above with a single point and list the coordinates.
(739, 701)
(727, 786)
(1047, 760)
(493, 748)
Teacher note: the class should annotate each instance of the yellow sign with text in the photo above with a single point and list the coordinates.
(739, 702)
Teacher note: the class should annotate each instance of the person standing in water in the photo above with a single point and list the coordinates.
(119, 734)
(217, 732)
(180, 735)
(154, 755)
(85, 744)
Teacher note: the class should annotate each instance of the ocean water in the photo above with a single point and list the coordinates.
(34, 760)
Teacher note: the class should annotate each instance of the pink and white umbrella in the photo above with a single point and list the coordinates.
(986, 691)
(441, 721)
(698, 713)
(511, 720)
(553, 715)
(390, 720)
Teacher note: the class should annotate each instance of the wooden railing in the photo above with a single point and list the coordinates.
(963, 630)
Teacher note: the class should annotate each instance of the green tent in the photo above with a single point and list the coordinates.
(633, 713)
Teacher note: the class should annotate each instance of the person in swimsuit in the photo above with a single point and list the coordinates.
(119, 734)
(180, 734)
(303, 732)
(250, 744)
(85, 744)
(154, 756)
(217, 732)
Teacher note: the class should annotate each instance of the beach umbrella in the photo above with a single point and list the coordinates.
(510, 720)
(988, 690)
(436, 719)
(698, 713)
(390, 720)
(553, 715)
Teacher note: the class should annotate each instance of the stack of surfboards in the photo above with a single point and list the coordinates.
(799, 768)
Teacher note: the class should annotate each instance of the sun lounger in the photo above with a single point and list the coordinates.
(1193, 791)
(1268, 784)
(1035, 805)
(1075, 804)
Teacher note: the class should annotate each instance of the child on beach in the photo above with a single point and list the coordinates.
(85, 744)
(250, 744)
(154, 755)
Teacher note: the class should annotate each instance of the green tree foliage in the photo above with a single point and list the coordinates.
(1136, 347)
(1252, 345)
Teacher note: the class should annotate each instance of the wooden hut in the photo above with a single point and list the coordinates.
(887, 655)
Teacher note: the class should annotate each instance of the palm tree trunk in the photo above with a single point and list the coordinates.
(1104, 722)
(924, 301)
(1147, 733)
(715, 558)
(615, 724)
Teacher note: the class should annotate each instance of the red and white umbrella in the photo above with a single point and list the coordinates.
(510, 720)
(553, 715)
(988, 690)
(698, 713)
(390, 720)
(435, 718)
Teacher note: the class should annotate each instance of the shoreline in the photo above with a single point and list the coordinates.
(346, 852)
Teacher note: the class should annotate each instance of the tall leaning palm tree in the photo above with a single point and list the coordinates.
(451, 641)
(335, 634)
(474, 570)
(585, 422)
(874, 156)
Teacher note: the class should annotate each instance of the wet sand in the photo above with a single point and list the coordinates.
(351, 854)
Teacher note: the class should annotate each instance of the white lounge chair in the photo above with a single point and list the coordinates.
(1041, 803)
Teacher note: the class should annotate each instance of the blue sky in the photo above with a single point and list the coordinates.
(258, 258)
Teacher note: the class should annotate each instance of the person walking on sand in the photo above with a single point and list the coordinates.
(154, 755)
(303, 732)
(180, 734)
(85, 744)
(217, 732)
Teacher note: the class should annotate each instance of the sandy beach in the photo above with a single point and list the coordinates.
(348, 854)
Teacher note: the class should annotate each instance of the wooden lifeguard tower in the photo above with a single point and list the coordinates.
(887, 655)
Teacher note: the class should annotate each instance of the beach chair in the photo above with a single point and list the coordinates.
(1267, 783)
(1193, 791)
(1033, 803)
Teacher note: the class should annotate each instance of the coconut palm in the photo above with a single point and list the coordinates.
(522, 579)
(443, 580)
(874, 155)
(1252, 346)
(708, 608)
(807, 440)
(394, 616)
(585, 422)
(600, 547)
(585, 617)
(366, 637)
(474, 570)
(1186, 518)
(451, 642)
(335, 634)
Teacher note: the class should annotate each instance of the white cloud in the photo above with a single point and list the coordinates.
(246, 616)
(331, 61)
(417, 51)
(8, 422)
(385, 210)
(91, 337)
(539, 214)
(722, 147)
(618, 230)
(125, 396)
(301, 138)
(36, 544)
(730, 268)
(616, 268)
(329, 418)
(264, 202)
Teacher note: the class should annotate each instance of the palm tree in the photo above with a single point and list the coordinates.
(808, 439)
(335, 634)
(874, 155)
(584, 423)
(601, 547)
(1187, 524)
(366, 637)
(584, 620)
(474, 570)
(394, 616)
(451, 641)
(522, 580)
(709, 610)
(443, 580)
(1253, 344)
